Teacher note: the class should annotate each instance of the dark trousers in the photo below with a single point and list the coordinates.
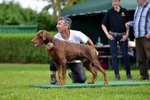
(143, 55)
(77, 69)
(114, 52)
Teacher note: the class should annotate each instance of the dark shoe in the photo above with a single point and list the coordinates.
(70, 75)
(129, 77)
(145, 78)
(53, 79)
(117, 77)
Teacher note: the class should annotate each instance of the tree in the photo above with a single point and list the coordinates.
(13, 14)
(46, 22)
(58, 5)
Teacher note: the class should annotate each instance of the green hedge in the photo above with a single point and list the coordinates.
(17, 48)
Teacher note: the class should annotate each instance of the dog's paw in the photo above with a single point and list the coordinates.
(91, 82)
(60, 83)
(105, 82)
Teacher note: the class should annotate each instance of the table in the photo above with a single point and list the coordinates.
(104, 53)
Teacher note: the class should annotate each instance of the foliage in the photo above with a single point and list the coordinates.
(16, 78)
(47, 22)
(17, 48)
(13, 14)
(58, 5)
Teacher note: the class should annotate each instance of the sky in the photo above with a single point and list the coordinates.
(33, 4)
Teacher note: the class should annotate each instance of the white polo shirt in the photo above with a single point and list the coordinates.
(75, 37)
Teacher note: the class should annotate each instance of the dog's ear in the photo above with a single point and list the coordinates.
(40, 31)
(44, 35)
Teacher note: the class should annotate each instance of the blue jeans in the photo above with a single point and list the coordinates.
(77, 69)
(114, 52)
(78, 72)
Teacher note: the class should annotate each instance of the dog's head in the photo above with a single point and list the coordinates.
(40, 38)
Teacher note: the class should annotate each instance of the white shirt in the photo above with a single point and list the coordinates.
(74, 37)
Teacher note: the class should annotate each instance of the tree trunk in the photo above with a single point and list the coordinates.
(69, 3)
(56, 4)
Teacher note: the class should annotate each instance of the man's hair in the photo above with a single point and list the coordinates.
(67, 20)
(118, 0)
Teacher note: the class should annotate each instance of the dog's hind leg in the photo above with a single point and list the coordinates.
(89, 67)
(96, 63)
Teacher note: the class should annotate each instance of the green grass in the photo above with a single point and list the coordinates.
(16, 78)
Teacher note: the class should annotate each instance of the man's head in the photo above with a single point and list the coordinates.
(141, 2)
(63, 24)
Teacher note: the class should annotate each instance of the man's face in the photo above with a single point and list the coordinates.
(115, 3)
(61, 26)
(141, 2)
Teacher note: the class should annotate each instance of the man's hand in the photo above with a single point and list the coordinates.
(127, 25)
(110, 37)
(147, 35)
(124, 38)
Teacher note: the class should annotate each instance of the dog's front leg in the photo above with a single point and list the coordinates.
(64, 72)
(63, 65)
(60, 75)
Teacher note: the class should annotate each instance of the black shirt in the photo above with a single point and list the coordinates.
(115, 21)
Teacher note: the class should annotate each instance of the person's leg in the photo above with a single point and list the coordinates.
(144, 54)
(147, 50)
(77, 72)
(124, 49)
(53, 69)
(113, 51)
(142, 58)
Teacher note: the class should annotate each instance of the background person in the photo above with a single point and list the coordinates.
(66, 34)
(113, 25)
(141, 25)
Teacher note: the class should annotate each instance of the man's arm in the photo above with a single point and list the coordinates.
(89, 42)
(129, 24)
(109, 36)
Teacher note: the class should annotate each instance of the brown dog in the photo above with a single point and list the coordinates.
(62, 52)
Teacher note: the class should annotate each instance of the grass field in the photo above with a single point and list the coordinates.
(16, 78)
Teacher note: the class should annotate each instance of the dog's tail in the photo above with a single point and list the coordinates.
(96, 52)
